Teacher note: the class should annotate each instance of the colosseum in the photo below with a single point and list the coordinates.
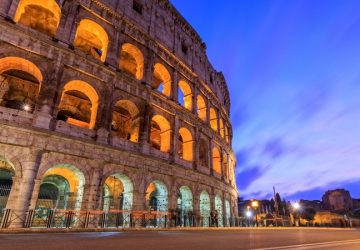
(111, 115)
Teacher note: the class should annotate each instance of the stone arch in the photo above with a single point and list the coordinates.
(216, 160)
(186, 144)
(156, 196)
(60, 175)
(125, 122)
(91, 38)
(79, 104)
(219, 209)
(41, 15)
(213, 119)
(160, 133)
(20, 82)
(185, 205)
(225, 165)
(221, 128)
(205, 208)
(185, 95)
(120, 188)
(226, 133)
(7, 172)
(162, 79)
(132, 60)
(204, 152)
(201, 108)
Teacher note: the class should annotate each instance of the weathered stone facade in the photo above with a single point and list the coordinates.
(119, 89)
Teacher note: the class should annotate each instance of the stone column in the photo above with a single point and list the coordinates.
(13, 7)
(30, 165)
(92, 191)
(35, 193)
(172, 141)
(175, 87)
(210, 158)
(196, 149)
(194, 102)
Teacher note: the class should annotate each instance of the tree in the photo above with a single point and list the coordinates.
(308, 214)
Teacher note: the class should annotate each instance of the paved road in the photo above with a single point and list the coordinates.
(188, 240)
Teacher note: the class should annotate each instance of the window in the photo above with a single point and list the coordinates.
(138, 7)
(184, 48)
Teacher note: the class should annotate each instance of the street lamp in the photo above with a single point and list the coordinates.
(255, 205)
(249, 215)
(296, 208)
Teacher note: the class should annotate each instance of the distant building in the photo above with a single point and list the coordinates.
(338, 200)
(314, 204)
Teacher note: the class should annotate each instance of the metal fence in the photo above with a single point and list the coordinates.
(51, 218)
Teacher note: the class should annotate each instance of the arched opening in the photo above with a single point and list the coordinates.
(7, 172)
(185, 95)
(117, 193)
(132, 61)
(92, 39)
(213, 119)
(157, 196)
(61, 188)
(219, 210)
(160, 133)
(40, 15)
(201, 107)
(205, 209)
(203, 153)
(227, 213)
(216, 160)
(162, 79)
(222, 129)
(117, 200)
(79, 104)
(185, 205)
(226, 166)
(185, 144)
(20, 82)
(125, 123)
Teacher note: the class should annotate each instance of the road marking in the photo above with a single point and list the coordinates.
(313, 245)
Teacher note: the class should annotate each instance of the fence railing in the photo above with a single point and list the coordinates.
(51, 218)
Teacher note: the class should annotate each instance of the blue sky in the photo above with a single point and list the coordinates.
(293, 70)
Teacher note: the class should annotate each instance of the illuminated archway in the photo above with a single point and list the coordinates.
(227, 213)
(125, 123)
(41, 15)
(92, 39)
(7, 172)
(222, 129)
(205, 209)
(120, 193)
(201, 107)
(162, 79)
(79, 104)
(216, 160)
(185, 95)
(20, 82)
(185, 144)
(132, 60)
(213, 119)
(157, 196)
(62, 187)
(204, 153)
(160, 133)
(219, 210)
(185, 205)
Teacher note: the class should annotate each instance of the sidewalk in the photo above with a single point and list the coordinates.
(80, 230)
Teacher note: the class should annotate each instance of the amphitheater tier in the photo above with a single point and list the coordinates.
(111, 107)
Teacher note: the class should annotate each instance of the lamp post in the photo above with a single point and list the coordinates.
(248, 214)
(296, 208)
(255, 205)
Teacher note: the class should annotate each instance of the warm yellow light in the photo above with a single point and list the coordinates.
(255, 204)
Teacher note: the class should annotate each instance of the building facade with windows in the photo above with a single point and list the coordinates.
(109, 105)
